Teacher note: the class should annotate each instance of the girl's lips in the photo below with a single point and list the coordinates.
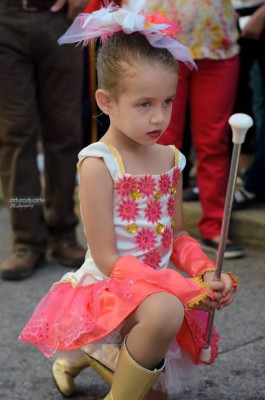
(154, 134)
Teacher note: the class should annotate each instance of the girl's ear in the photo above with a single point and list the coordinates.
(104, 101)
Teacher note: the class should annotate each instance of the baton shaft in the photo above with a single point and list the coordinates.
(224, 231)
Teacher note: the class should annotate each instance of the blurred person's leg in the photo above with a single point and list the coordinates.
(258, 106)
(244, 98)
(18, 132)
(59, 76)
(18, 149)
(254, 181)
(253, 189)
(213, 92)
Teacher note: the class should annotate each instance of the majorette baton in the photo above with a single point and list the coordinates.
(240, 123)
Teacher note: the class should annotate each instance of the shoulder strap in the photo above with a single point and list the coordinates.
(180, 159)
(110, 155)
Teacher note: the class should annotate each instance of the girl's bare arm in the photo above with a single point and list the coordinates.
(96, 203)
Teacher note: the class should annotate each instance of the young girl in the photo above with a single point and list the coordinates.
(130, 197)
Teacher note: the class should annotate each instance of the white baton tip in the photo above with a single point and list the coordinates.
(205, 354)
(240, 123)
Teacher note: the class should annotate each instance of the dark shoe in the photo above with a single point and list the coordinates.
(68, 251)
(232, 250)
(21, 264)
(245, 201)
(191, 194)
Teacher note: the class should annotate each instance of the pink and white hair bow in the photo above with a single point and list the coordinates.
(157, 28)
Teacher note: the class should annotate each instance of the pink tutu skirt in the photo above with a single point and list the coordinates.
(72, 317)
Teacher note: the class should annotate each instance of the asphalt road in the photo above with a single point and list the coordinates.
(238, 374)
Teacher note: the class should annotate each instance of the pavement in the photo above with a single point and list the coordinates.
(238, 373)
(246, 226)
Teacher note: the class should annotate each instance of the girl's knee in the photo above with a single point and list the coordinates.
(167, 314)
(173, 314)
(161, 314)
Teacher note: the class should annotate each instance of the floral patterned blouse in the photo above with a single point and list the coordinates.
(143, 209)
(207, 27)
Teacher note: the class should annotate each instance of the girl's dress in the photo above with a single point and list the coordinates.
(85, 309)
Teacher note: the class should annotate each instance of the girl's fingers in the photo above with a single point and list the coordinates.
(226, 300)
(216, 296)
(216, 285)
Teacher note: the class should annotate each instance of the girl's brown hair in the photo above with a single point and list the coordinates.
(122, 50)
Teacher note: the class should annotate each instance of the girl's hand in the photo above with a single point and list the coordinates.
(212, 302)
(225, 295)
(222, 294)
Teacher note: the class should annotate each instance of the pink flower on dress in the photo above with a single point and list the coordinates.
(167, 238)
(128, 210)
(125, 185)
(147, 186)
(153, 211)
(170, 206)
(176, 175)
(146, 239)
(153, 258)
(164, 183)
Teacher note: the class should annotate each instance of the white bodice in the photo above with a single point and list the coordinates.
(143, 206)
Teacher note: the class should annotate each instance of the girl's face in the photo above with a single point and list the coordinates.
(142, 111)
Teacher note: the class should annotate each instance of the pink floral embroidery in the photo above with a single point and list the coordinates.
(176, 175)
(153, 259)
(164, 183)
(170, 206)
(125, 185)
(167, 238)
(146, 239)
(153, 211)
(147, 186)
(128, 210)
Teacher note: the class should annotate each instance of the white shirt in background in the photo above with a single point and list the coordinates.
(237, 4)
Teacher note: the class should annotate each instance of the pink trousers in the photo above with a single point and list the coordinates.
(210, 94)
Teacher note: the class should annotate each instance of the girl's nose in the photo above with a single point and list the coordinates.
(158, 116)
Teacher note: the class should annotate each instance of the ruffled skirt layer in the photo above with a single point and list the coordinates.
(72, 317)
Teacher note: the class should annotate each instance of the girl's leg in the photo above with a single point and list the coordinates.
(152, 327)
(150, 331)
(165, 315)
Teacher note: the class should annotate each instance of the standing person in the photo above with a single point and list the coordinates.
(131, 204)
(209, 29)
(41, 90)
(252, 49)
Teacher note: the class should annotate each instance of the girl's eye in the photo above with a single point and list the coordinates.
(145, 104)
(168, 102)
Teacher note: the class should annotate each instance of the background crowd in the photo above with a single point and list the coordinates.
(47, 106)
